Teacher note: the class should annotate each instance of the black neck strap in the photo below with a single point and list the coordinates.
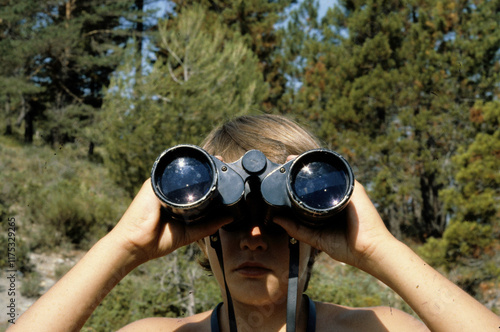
(215, 242)
(293, 283)
(293, 277)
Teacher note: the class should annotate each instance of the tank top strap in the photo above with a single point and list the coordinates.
(214, 319)
(311, 318)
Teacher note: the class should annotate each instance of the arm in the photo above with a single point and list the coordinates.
(366, 243)
(142, 234)
(441, 304)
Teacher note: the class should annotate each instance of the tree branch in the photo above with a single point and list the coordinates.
(94, 32)
(172, 74)
(80, 100)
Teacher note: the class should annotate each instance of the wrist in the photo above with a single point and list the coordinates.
(384, 258)
(126, 254)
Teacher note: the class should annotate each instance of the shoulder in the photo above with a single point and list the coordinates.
(198, 322)
(365, 319)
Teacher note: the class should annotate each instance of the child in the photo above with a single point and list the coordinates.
(256, 260)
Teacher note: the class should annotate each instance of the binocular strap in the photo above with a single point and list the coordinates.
(215, 242)
(293, 278)
(293, 282)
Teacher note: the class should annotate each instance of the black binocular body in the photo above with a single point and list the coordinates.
(192, 184)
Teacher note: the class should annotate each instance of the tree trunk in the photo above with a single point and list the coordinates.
(91, 149)
(28, 127)
(8, 126)
(432, 215)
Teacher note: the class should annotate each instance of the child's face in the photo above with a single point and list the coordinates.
(256, 263)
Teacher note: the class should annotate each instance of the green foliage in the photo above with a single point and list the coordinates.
(61, 270)
(31, 285)
(57, 196)
(56, 58)
(345, 285)
(203, 80)
(391, 85)
(72, 212)
(17, 240)
(254, 23)
(475, 195)
(434, 251)
(22, 262)
(467, 252)
(17, 50)
(461, 241)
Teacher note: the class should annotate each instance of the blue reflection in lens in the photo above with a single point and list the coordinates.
(186, 180)
(320, 185)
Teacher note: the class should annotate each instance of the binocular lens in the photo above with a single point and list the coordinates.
(185, 179)
(320, 185)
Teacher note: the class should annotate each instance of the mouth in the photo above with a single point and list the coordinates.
(252, 270)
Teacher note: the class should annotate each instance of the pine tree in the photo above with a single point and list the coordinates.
(86, 48)
(70, 49)
(202, 79)
(17, 49)
(390, 85)
(475, 194)
(256, 22)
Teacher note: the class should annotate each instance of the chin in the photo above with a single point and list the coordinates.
(265, 300)
(260, 293)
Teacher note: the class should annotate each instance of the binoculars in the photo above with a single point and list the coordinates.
(192, 184)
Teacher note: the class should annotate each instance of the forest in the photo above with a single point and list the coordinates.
(408, 91)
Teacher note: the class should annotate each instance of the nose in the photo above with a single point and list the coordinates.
(253, 239)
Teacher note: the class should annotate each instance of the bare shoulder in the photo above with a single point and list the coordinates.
(396, 320)
(198, 322)
(365, 319)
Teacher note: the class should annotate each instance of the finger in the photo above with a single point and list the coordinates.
(206, 227)
(329, 238)
(291, 157)
(297, 230)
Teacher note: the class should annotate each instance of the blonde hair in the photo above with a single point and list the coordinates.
(274, 135)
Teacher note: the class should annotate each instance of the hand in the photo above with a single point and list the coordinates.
(353, 240)
(147, 232)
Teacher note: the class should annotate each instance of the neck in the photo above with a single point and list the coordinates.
(266, 318)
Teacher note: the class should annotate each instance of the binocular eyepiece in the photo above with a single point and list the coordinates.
(191, 184)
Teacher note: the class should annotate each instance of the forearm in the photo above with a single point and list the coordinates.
(70, 302)
(442, 305)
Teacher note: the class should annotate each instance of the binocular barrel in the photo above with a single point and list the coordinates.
(191, 183)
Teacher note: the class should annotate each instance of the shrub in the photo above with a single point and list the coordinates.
(58, 196)
(468, 253)
(31, 284)
(461, 242)
(346, 285)
(22, 260)
(434, 251)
